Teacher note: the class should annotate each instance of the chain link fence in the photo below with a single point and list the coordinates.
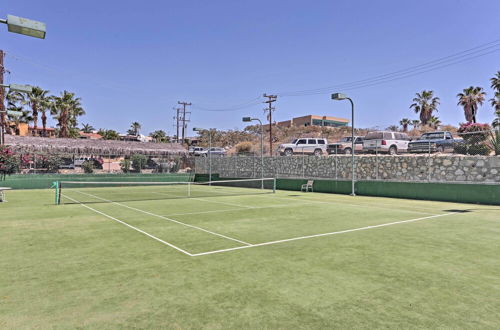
(471, 157)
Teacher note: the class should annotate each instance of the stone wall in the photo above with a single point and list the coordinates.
(406, 168)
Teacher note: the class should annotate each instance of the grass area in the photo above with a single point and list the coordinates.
(72, 266)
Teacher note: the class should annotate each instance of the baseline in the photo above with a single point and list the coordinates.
(324, 234)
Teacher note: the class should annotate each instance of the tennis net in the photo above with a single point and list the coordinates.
(70, 192)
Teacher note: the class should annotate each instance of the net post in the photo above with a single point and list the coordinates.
(57, 186)
(189, 189)
(274, 185)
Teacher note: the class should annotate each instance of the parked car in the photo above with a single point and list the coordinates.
(344, 146)
(310, 146)
(433, 142)
(214, 152)
(386, 142)
(195, 151)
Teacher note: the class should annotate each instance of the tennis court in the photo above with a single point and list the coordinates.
(240, 255)
(200, 219)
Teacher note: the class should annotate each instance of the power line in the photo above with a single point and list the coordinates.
(436, 64)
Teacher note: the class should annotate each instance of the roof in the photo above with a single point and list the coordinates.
(90, 146)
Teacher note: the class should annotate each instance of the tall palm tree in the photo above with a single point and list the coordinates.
(470, 100)
(495, 84)
(425, 103)
(38, 101)
(434, 122)
(65, 109)
(415, 123)
(14, 103)
(405, 122)
(135, 128)
(87, 128)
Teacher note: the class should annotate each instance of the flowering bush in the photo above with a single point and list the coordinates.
(9, 162)
(474, 132)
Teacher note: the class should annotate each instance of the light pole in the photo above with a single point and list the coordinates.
(197, 129)
(15, 88)
(249, 119)
(25, 26)
(339, 97)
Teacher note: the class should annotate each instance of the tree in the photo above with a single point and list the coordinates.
(38, 101)
(425, 104)
(134, 128)
(393, 128)
(495, 101)
(66, 109)
(108, 134)
(415, 123)
(87, 128)
(14, 103)
(470, 99)
(159, 136)
(434, 122)
(405, 122)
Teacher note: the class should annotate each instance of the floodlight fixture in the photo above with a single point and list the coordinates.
(25, 26)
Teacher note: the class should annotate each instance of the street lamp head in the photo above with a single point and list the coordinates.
(20, 88)
(25, 26)
(197, 129)
(339, 96)
(247, 119)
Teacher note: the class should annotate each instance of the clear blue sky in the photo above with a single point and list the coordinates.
(133, 60)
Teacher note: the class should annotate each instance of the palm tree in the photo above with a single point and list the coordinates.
(405, 122)
(495, 84)
(14, 103)
(65, 109)
(159, 136)
(38, 101)
(425, 104)
(415, 123)
(470, 100)
(87, 128)
(434, 122)
(135, 128)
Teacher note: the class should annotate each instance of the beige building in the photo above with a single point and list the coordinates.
(313, 120)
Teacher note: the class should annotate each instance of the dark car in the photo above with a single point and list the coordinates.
(433, 142)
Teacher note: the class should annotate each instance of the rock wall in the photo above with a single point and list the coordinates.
(434, 168)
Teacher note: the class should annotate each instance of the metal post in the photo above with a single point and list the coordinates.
(210, 157)
(353, 192)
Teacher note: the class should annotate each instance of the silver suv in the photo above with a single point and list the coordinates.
(386, 142)
(310, 146)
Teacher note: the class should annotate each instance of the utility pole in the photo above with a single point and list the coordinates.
(269, 110)
(176, 123)
(3, 114)
(183, 118)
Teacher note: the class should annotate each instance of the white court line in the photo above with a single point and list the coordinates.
(349, 204)
(229, 210)
(132, 227)
(320, 235)
(165, 218)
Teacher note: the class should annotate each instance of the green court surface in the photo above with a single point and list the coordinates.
(229, 257)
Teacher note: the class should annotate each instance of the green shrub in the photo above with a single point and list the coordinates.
(88, 166)
(472, 149)
(125, 165)
(495, 142)
(138, 162)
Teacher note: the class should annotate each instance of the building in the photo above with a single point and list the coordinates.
(313, 120)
